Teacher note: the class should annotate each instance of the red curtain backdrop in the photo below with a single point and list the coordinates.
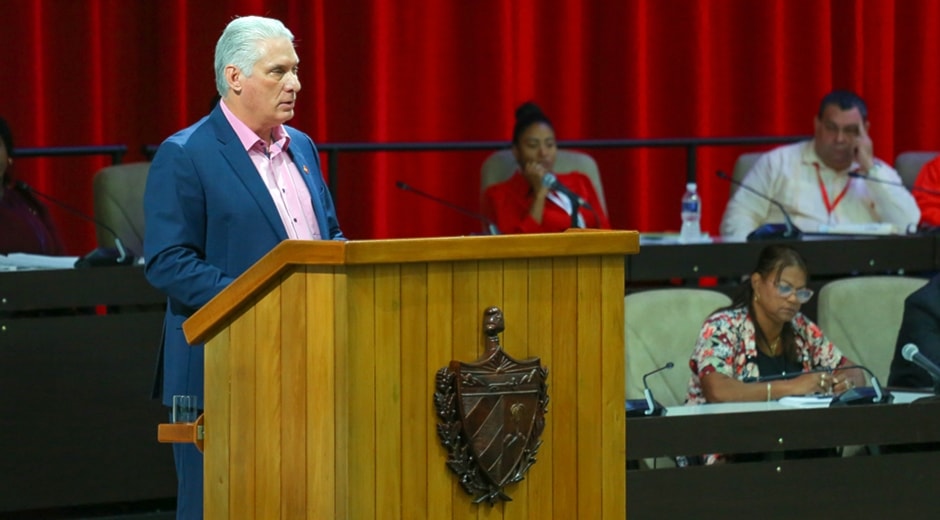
(89, 72)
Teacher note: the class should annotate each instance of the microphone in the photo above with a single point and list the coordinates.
(922, 228)
(859, 175)
(647, 406)
(863, 394)
(99, 256)
(767, 231)
(911, 353)
(490, 226)
(550, 181)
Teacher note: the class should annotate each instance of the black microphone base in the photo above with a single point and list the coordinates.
(640, 408)
(860, 395)
(104, 256)
(774, 232)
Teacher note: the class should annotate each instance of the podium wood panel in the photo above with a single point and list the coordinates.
(320, 373)
(440, 291)
(416, 414)
(538, 280)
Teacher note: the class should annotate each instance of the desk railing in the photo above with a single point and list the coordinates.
(690, 144)
(115, 151)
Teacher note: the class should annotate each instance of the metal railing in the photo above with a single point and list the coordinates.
(691, 145)
(116, 151)
(333, 150)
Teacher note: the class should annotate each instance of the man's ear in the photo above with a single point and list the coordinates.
(233, 76)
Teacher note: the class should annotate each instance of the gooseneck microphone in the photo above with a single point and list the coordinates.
(862, 394)
(550, 181)
(911, 353)
(647, 406)
(859, 175)
(98, 256)
(767, 231)
(490, 225)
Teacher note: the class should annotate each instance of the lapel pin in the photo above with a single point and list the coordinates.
(307, 171)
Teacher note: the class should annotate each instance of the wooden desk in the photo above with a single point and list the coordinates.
(663, 264)
(829, 257)
(890, 485)
(78, 350)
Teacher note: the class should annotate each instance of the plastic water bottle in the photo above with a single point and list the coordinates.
(691, 230)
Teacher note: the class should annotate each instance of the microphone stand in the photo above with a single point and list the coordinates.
(862, 395)
(912, 355)
(647, 406)
(923, 229)
(575, 207)
(858, 175)
(490, 225)
(550, 180)
(786, 230)
(587, 205)
(97, 256)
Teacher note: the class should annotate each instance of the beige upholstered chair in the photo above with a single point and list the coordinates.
(119, 204)
(662, 325)
(909, 164)
(743, 165)
(862, 315)
(501, 164)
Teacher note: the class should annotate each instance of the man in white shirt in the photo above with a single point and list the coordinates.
(811, 179)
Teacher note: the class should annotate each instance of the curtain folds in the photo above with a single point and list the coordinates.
(118, 72)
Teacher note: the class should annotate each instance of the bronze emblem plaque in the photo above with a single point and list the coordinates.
(492, 413)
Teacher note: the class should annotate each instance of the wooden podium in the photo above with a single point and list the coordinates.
(321, 362)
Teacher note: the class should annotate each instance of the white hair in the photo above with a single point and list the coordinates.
(239, 45)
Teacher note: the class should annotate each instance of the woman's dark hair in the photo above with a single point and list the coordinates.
(6, 135)
(771, 262)
(527, 115)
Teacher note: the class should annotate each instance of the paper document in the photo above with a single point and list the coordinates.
(872, 228)
(807, 401)
(17, 261)
(672, 238)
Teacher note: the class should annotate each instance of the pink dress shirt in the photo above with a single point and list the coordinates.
(282, 178)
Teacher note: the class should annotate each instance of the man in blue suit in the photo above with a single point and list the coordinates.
(222, 193)
(920, 326)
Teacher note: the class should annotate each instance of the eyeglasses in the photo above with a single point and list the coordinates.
(802, 295)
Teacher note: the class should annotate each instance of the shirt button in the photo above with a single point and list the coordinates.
(295, 220)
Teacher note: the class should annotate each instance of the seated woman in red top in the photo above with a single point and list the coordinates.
(25, 226)
(534, 199)
(926, 189)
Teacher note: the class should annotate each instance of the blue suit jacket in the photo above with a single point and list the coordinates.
(209, 217)
(920, 326)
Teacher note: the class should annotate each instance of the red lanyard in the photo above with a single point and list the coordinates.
(830, 206)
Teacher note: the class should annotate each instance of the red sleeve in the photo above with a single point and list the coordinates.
(929, 203)
(507, 205)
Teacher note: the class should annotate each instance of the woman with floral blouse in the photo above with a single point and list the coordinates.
(762, 333)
